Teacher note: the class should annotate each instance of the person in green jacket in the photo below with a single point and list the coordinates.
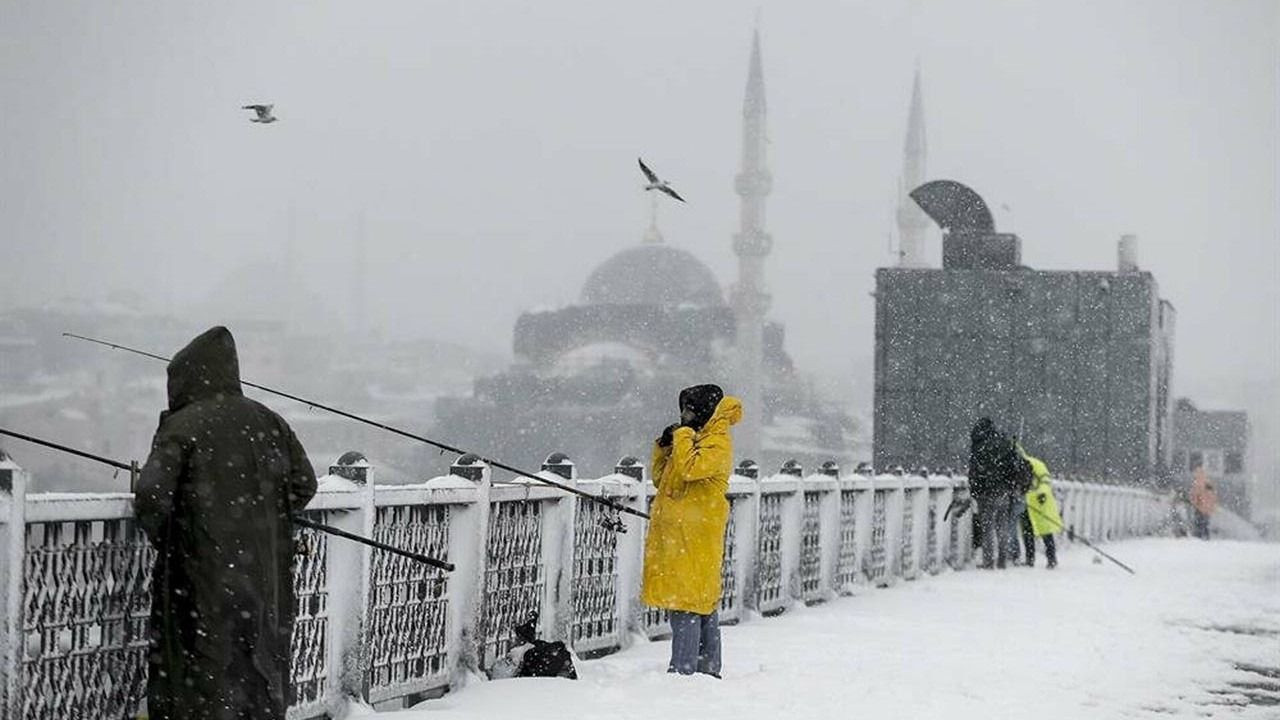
(1042, 518)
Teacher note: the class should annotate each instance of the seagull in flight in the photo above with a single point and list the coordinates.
(655, 183)
(264, 113)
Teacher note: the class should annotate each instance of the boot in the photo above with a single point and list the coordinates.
(1053, 563)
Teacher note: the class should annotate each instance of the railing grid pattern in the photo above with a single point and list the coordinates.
(311, 623)
(514, 575)
(86, 594)
(76, 572)
(408, 606)
(811, 546)
(595, 575)
(769, 552)
(847, 565)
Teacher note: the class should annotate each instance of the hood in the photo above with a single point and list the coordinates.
(982, 430)
(205, 368)
(727, 413)
(702, 400)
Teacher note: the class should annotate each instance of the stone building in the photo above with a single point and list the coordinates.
(1077, 363)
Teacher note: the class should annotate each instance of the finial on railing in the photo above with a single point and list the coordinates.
(748, 468)
(864, 468)
(830, 468)
(560, 464)
(897, 470)
(791, 467)
(630, 467)
(922, 471)
(468, 467)
(353, 466)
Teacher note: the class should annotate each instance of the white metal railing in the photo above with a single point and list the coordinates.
(75, 573)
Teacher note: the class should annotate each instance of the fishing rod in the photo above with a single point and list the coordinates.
(444, 447)
(1071, 534)
(297, 519)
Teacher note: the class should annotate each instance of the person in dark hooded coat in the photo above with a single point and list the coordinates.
(991, 484)
(215, 498)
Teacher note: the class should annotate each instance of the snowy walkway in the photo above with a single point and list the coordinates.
(1083, 641)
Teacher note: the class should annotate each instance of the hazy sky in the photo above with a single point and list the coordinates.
(491, 148)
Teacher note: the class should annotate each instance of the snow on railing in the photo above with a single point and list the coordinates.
(75, 572)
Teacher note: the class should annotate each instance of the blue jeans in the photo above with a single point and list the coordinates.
(695, 643)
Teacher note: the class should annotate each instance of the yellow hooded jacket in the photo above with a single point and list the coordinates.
(1042, 506)
(684, 549)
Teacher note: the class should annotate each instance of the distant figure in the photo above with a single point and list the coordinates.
(264, 113)
(1204, 499)
(655, 183)
(215, 499)
(684, 550)
(1042, 518)
(991, 469)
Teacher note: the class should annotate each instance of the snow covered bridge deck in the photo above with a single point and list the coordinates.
(376, 628)
(1196, 633)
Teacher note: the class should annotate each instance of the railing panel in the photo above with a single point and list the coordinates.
(515, 578)
(849, 563)
(595, 623)
(408, 602)
(770, 588)
(878, 556)
(86, 602)
(729, 567)
(311, 636)
(811, 547)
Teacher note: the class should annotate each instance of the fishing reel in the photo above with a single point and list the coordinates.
(613, 522)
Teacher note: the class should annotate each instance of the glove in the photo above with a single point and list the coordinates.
(665, 439)
(1041, 498)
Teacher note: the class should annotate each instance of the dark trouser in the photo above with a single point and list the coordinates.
(993, 520)
(1202, 526)
(1029, 538)
(695, 643)
(1050, 549)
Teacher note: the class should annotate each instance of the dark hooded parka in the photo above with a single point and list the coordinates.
(991, 454)
(214, 498)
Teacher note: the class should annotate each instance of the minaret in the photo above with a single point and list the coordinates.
(752, 245)
(912, 223)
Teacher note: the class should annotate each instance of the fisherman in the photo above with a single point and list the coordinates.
(215, 498)
(684, 549)
(1041, 517)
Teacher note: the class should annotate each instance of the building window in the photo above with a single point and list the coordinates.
(1213, 462)
(1233, 462)
(1196, 460)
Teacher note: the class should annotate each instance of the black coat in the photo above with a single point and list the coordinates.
(214, 498)
(992, 461)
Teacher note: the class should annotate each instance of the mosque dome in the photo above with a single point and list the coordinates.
(652, 274)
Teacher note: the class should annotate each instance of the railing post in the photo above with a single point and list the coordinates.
(829, 522)
(557, 551)
(631, 550)
(748, 531)
(468, 551)
(13, 496)
(894, 484)
(792, 505)
(348, 576)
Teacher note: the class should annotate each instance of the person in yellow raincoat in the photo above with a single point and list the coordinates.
(684, 549)
(1043, 518)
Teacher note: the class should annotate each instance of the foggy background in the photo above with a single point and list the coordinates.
(486, 154)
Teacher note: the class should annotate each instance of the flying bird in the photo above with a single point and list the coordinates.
(264, 113)
(655, 183)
